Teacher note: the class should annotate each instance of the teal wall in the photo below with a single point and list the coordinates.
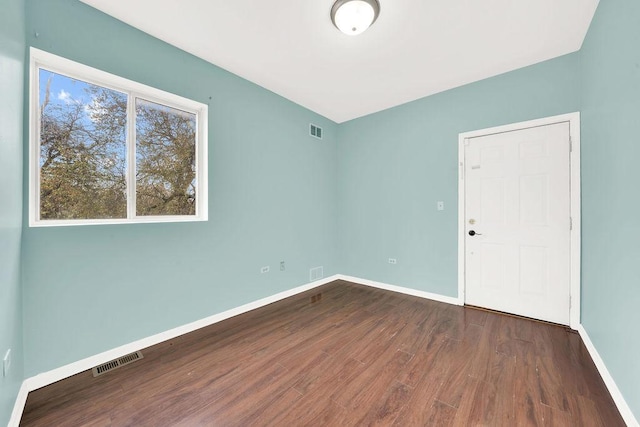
(272, 196)
(395, 165)
(610, 195)
(364, 194)
(11, 89)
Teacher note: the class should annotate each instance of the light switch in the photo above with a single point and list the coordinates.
(440, 205)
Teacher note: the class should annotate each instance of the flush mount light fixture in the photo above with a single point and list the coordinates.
(352, 17)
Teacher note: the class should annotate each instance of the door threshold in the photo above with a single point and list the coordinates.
(518, 316)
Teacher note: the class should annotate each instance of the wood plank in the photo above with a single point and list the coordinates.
(423, 409)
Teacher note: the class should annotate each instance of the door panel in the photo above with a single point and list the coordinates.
(517, 201)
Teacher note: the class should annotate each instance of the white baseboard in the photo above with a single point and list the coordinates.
(50, 377)
(18, 406)
(402, 290)
(74, 368)
(624, 409)
(46, 378)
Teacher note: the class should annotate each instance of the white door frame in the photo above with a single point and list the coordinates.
(574, 130)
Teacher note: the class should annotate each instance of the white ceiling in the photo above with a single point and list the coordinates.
(415, 48)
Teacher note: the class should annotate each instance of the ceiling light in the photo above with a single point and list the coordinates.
(352, 17)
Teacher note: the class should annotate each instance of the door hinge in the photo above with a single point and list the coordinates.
(461, 171)
(570, 223)
(570, 144)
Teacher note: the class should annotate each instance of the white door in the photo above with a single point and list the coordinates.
(517, 218)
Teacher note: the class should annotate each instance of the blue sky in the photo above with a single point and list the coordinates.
(63, 88)
(69, 92)
(66, 91)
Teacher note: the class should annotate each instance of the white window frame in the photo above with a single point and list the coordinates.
(41, 59)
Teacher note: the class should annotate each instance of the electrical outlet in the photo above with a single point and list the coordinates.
(264, 269)
(281, 265)
(393, 261)
(6, 363)
(440, 206)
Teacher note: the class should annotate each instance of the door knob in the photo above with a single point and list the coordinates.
(473, 233)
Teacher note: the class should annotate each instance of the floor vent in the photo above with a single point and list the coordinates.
(114, 364)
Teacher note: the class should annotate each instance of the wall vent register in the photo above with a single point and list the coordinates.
(315, 131)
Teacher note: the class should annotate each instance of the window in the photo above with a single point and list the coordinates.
(107, 150)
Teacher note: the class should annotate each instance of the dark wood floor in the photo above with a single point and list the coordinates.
(352, 356)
